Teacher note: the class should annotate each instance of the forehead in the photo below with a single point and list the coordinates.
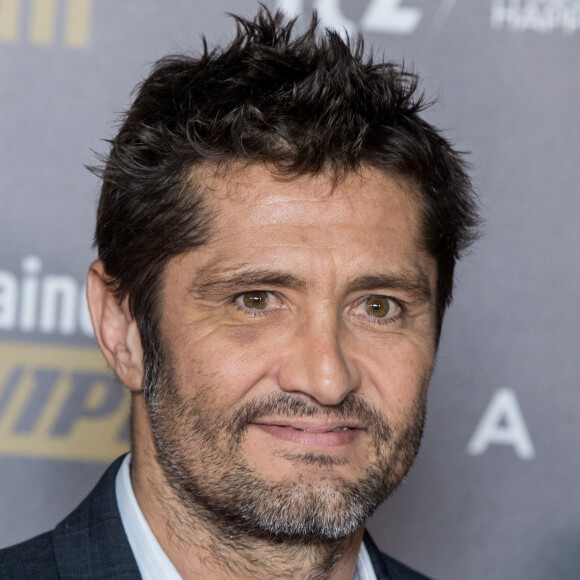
(368, 222)
(368, 201)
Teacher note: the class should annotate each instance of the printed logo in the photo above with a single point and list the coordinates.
(55, 401)
(61, 403)
(379, 16)
(46, 20)
(502, 424)
(537, 15)
(34, 301)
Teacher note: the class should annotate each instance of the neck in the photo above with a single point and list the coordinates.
(200, 546)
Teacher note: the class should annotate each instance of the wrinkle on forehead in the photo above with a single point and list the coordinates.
(344, 204)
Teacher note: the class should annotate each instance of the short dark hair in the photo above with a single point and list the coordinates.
(306, 103)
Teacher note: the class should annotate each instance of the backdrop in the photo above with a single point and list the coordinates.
(493, 492)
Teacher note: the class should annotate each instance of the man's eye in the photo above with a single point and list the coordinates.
(255, 300)
(381, 307)
(378, 306)
(258, 300)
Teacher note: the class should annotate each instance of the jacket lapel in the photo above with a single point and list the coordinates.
(91, 542)
(376, 557)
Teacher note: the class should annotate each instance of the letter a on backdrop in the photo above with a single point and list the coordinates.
(502, 424)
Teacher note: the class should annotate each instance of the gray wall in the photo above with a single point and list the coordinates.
(493, 492)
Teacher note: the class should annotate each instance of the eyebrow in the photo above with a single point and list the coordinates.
(250, 279)
(413, 282)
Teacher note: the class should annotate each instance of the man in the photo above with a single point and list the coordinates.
(277, 234)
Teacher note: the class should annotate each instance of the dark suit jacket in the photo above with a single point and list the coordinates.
(91, 544)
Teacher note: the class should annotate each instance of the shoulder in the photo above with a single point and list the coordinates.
(88, 543)
(31, 559)
(387, 568)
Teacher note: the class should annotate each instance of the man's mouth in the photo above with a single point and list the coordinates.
(311, 432)
(312, 424)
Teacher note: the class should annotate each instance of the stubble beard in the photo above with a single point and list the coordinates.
(199, 448)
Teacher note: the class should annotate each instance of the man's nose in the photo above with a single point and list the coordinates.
(318, 364)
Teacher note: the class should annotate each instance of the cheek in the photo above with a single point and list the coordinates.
(233, 360)
(397, 378)
(243, 337)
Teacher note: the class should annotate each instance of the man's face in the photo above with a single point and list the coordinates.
(297, 346)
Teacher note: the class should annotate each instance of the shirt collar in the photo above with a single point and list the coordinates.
(152, 561)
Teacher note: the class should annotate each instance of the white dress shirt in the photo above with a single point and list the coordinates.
(152, 561)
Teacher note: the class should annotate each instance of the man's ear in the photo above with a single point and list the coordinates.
(115, 329)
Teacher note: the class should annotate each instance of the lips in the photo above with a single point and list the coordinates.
(310, 432)
(313, 426)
